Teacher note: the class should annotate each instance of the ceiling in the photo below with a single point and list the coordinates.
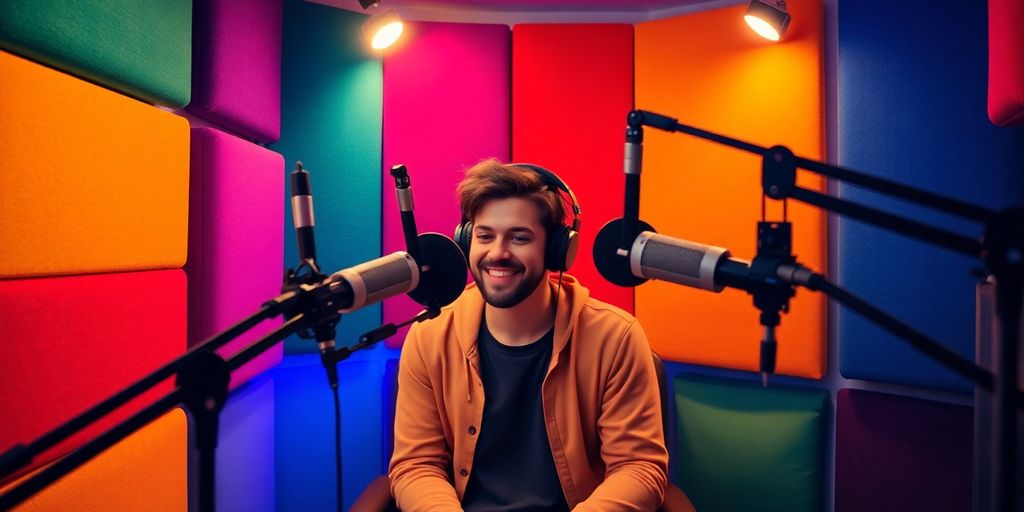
(535, 11)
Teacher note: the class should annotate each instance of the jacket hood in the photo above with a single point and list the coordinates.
(469, 310)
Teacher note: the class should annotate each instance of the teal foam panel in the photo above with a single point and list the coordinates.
(739, 446)
(331, 101)
(142, 48)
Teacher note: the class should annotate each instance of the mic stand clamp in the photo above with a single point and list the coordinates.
(322, 313)
(771, 294)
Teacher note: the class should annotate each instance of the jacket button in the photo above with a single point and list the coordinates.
(463, 472)
(472, 430)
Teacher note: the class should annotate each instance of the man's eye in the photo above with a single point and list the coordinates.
(483, 237)
(521, 239)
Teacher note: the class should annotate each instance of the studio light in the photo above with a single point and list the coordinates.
(382, 30)
(768, 18)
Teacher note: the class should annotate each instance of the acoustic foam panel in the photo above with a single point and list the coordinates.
(237, 68)
(743, 447)
(1005, 62)
(898, 453)
(304, 432)
(572, 87)
(711, 71)
(331, 121)
(147, 470)
(245, 449)
(70, 342)
(141, 48)
(912, 110)
(92, 181)
(446, 107)
(236, 248)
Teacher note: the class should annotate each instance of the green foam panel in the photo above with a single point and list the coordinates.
(142, 48)
(743, 447)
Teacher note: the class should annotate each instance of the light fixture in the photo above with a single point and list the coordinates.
(382, 30)
(768, 18)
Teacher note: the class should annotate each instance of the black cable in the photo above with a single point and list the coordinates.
(337, 445)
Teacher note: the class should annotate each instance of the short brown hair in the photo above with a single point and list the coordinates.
(490, 179)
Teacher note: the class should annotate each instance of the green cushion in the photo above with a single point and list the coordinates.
(140, 47)
(743, 447)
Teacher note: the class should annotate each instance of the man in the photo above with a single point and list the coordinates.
(525, 393)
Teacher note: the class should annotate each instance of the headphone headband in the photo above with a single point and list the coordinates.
(553, 180)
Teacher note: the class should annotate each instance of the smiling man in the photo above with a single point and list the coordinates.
(526, 394)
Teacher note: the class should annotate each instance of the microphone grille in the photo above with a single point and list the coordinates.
(670, 259)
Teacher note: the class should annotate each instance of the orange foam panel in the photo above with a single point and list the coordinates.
(148, 470)
(711, 71)
(93, 181)
(571, 91)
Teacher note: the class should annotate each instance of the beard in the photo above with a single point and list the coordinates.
(512, 295)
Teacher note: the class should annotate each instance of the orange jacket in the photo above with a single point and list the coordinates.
(600, 399)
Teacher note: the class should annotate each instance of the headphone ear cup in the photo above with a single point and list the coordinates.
(463, 235)
(561, 249)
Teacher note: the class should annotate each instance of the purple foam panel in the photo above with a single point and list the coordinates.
(897, 453)
(237, 67)
(236, 246)
(446, 107)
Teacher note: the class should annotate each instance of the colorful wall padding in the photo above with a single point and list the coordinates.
(710, 71)
(146, 471)
(571, 90)
(1005, 62)
(919, 58)
(93, 181)
(331, 88)
(897, 453)
(304, 432)
(446, 107)
(237, 67)
(245, 474)
(70, 342)
(235, 245)
(742, 447)
(140, 48)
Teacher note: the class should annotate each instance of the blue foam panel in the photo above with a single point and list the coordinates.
(331, 120)
(304, 432)
(246, 440)
(912, 108)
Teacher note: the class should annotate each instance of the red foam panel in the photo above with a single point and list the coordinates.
(1005, 62)
(572, 86)
(66, 343)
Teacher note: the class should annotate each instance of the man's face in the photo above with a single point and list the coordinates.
(506, 256)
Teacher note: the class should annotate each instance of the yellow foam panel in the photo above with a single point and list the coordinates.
(711, 71)
(90, 180)
(148, 470)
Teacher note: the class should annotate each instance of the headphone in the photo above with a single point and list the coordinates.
(562, 242)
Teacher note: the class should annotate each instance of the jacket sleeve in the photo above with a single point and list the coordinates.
(418, 471)
(632, 436)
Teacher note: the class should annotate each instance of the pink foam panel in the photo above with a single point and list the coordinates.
(446, 107)
(237, 69)
(236, 246)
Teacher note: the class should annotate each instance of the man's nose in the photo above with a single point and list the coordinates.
(499, 250)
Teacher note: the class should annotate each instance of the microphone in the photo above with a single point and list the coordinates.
(302, 214)
(403, 191)
(367, 283)
(706, 267)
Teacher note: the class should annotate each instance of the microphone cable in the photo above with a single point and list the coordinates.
(337, 446)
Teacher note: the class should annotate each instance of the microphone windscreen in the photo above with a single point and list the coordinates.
(609, 264)
(446, 278)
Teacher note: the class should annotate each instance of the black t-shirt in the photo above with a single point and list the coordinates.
(513, 468)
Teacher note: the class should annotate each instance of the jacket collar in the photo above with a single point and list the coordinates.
(469, 310)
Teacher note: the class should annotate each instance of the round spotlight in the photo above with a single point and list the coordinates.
(768, 18)
(383, 30)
